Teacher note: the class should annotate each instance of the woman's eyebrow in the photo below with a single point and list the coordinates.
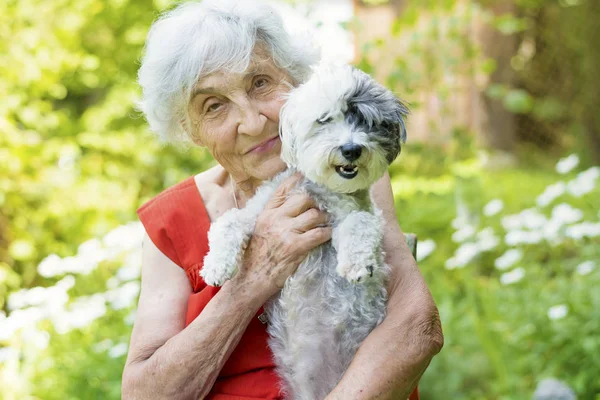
(205, 90)
(213, 89)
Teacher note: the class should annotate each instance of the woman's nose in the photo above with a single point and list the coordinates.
(252, 121)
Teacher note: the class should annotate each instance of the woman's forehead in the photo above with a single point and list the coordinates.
(225, 79)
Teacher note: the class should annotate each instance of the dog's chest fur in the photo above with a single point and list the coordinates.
(319, 319)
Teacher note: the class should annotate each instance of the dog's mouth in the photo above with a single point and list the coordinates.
(347, 171)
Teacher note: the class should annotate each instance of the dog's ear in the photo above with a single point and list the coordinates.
(286, 134)
(394, 126)
(399, 115)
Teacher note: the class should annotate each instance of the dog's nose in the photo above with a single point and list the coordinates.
(351, 151)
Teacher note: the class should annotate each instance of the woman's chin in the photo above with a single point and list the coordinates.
(269, 168)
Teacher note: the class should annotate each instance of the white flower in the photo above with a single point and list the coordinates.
(508, 259)
(102, 346)
(585, 267)
(113, 282)
(39, 339)
(463, 255)
(123, 296)
(517, 237)
(463, 233)
(462, 215)
(532, 218)
(584, 229)
(425, 248)
(565, 214)
(38, 296)
(118, 350)
(130, 318)
(125, 237)
(584, 183)
(8, 354)
(17, 300)
(529, 218)
(511, 222)
(565, 165)
(487, 240)
(49, 266)
(91, 246)
(66, 161)
(132, 268)
(558, 312)
(19, 319)
(66, 283)
(513, 276)
(551, 193)
(493, 207)
(82, 312)
(551, 388)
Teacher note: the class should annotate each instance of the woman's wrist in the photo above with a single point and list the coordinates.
(250, 289)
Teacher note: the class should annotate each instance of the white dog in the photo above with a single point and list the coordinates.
(341, 130)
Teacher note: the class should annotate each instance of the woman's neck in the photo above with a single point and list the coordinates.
(243, 189)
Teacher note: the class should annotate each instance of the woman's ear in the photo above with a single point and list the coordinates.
(186, 127)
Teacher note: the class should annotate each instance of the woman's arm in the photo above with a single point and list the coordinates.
(167, 361)
(393, 357)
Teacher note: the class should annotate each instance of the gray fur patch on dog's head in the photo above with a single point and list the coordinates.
(375, 110)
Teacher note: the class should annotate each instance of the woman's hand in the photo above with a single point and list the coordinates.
(287, 229)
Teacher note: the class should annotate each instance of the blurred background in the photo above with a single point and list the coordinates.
(499, 180)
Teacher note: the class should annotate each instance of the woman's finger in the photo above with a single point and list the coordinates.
(282, 192)
(298, 203)
(314, 237)
(310, 219)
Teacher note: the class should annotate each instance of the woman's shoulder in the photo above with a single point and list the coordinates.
(214, 191)
(176, 214)
(210, 182)
(191, 189)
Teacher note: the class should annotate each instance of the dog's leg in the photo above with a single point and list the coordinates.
(227, 238)
(357, 240)
(230, 234)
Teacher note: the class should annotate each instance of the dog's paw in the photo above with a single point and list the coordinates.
(357, 273)
(215, 277)
(215, 272)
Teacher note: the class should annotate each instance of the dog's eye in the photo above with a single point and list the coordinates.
(323, 120)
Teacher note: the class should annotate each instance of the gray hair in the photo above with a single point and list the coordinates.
(198, 38)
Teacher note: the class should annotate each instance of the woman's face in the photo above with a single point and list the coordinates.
(236, 116)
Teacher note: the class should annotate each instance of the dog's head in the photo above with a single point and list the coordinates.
(341, 128)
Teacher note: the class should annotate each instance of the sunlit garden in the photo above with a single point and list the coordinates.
(499, 179)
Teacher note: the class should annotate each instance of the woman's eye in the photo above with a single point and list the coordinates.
(213, 107)
(260, 82)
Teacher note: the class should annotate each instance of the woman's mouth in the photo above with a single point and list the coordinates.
(265, 146)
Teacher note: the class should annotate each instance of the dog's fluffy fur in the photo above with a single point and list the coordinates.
(337, 295)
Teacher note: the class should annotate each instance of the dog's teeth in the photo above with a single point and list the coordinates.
(347, 169)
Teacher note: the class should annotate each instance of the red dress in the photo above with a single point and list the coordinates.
(177, 223)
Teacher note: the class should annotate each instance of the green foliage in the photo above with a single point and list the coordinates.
(76, 161)
(499, 339)
(518, 101)
(76, 157)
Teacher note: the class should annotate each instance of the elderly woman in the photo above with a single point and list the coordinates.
(214, 72)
